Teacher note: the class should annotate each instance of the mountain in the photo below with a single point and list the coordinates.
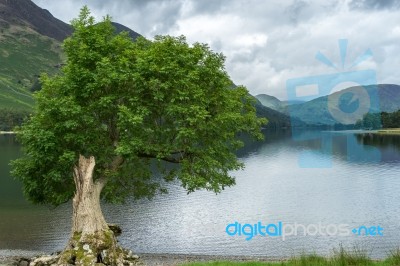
(389, 97)
(271, 102)
(26, 13)
(119, 28)
(30, 44)
(385, 98)
(286, 103)
(274, 103)
(276, 119)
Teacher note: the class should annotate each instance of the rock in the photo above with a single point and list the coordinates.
(115, 228)
(56, 253)
(86, 247)
(44, 261)
(130, 255)
(18, 262)
(104, 254)
(23, 263)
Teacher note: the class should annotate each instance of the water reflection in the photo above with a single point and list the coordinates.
(382, 141)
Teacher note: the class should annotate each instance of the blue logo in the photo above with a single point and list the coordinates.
(368, 231)
(251, 230)
(341, 107)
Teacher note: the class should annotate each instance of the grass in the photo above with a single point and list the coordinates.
(24, 55)
(389, 131)
(340, 257)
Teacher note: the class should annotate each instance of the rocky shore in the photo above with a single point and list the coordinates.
(150, 259)
(51, 260)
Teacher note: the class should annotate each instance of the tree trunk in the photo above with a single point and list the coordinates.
(87, 215)
(91, 241)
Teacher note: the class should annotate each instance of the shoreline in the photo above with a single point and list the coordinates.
(171, 259)
(154, 259)
(7, 132)
(389, 131)
(383, 131)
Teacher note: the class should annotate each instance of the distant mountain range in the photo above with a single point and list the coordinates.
(378, 98)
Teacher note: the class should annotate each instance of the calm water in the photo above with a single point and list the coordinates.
(358, 185)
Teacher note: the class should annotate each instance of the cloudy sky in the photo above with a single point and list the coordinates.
(266, 42)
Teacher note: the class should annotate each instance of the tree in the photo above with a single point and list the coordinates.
(9, 118)
(118, 107)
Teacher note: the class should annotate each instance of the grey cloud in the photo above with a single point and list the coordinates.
(300, 11)
(295, 10)
(216, 45)
(294, 31)
(243, 57)
(136, 4)
(374, 4)
(145, 17)
(209, 6)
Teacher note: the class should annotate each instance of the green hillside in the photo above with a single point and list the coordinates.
(276, 104)
(271, 102)
(316, 111)
(24, 55)
(276, 120)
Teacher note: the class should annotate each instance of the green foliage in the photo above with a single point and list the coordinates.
(380, 120)
(394, 257)
(36, 86)
(340, 257)
(370, 121)
(133, 105)
(10, 118)
(390, 120)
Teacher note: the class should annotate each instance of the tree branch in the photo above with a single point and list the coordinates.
(167, 159)
(117, 162)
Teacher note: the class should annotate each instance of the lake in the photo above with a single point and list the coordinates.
(305, 178)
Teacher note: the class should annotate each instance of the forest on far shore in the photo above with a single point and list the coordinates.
(380, 120)
(10, 118)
